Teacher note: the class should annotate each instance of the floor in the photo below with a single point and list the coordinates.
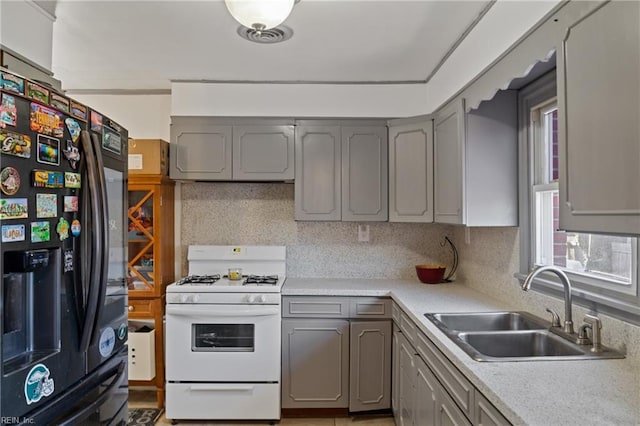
(147, 399)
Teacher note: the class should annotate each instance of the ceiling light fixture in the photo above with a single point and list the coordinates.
(260, 15)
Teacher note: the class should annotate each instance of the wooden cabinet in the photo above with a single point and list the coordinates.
(151, 225)
(341, 171)
(329, 361)
(151, 259)
(315, 358)
(598, 110)
(411, 171)
(203, 148)
(475, 163)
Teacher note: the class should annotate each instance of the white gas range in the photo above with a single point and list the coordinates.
(223, 334)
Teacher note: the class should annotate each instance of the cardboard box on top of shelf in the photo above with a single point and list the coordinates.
(148, 157)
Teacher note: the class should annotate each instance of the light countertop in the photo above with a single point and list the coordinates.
(545, 393)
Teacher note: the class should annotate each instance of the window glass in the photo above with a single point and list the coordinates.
(607, 261)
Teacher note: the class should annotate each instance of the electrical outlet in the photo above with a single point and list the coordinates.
(363, 233)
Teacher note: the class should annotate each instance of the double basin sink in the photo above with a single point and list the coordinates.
(511, 336)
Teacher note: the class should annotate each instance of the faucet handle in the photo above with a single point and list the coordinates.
(596, 326)
(555, 319)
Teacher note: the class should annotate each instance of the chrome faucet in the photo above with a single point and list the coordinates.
(568, 317)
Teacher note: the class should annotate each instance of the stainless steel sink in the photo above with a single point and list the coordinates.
(488, 321)
(511, 336)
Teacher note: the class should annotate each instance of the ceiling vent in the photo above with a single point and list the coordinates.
(270, 36)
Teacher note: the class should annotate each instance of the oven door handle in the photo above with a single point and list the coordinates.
(197, 311)
(221, 388)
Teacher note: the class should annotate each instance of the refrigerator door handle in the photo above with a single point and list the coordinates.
(101, 227)
(91, 311)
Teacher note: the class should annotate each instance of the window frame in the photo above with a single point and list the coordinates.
(587, 291)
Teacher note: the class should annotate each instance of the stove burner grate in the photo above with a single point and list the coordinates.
(199, 279)
(261, 280)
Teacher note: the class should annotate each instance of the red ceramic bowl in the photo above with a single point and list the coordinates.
(430, 274)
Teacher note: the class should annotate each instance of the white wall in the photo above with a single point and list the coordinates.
(502, 26)
(297, 100)
(144, 116)
(27, 29)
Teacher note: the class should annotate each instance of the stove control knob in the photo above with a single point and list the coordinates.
(261, 298)
(194, 298)
(182, 298)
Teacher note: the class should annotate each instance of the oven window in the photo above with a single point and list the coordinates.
(223, 337)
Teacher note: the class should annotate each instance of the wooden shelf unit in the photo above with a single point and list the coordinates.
(151, 260)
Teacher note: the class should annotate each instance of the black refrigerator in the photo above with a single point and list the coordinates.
(63, 177)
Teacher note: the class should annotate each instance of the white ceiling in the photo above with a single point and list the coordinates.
(143, 45)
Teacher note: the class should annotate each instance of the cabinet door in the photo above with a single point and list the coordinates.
(411, 172)
(598, 107)
(395, 373)
(263, 152)
(315, 363)
(370, 365)
(364, 174)
(426, 400)
(200, 150)
(448, 142)
(406, 383)
(318, 173)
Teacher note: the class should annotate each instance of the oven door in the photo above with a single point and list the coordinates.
(223, 343)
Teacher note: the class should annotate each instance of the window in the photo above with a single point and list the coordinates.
(603, 268)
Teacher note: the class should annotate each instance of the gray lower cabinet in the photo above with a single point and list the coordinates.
(336, 352)
(315, 358)
(370, 365)
(204, 148)
(598, 109)
(429, 390)
(406, 382)
(395, 370)
(341, 171)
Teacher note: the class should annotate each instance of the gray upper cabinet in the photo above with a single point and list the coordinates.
(411, 171)
(200, 151)
(599, 107)
(263, 153)
(449, 138)
(318, 173)
(364, 174)
(475, 163)
(341, 172)
(204, 148)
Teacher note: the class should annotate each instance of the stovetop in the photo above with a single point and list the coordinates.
(221, 283)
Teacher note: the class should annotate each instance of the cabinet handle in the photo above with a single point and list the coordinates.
(131, 308)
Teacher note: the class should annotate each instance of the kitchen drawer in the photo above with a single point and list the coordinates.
(395, 312)
(408, 328)
(461, 390)
(315, 307)
(141, 308)
(370, 307)
(486, 414)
